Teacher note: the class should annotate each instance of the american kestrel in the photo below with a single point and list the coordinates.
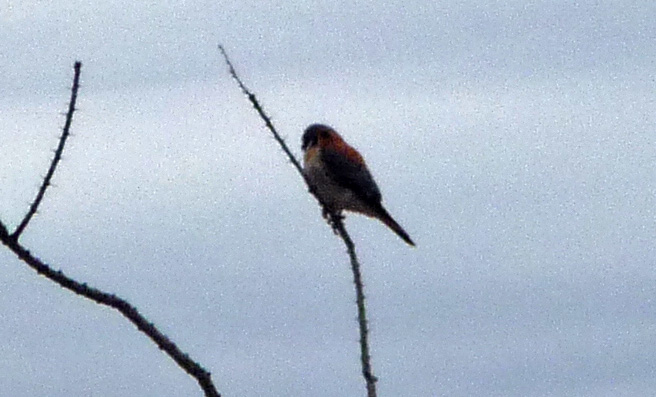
(340, 177)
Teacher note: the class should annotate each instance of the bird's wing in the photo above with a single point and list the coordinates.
(348, 170)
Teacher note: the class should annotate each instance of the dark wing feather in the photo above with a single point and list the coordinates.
(351, 175)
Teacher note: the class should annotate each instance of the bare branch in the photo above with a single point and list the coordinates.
(260, 111)
(194, 369)
(365, 358)
(335, 220)
(58, 154)
(113, 301)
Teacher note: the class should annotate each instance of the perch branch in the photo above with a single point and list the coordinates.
(337, 224)
(365, 358)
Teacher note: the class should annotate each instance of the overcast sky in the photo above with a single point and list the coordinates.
(515, 141)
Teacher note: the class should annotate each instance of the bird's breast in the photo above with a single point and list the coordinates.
(311, 158)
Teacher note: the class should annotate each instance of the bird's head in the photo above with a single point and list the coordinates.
(315, 133)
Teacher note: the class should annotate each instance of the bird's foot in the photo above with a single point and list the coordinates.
(333, 218)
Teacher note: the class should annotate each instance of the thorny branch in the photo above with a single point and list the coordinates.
(58, 153)
(194, 369)
(260, 111)
(336, 221)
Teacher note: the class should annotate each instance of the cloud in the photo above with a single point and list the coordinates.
(514, 141)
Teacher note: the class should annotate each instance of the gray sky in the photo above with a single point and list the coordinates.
(515, 141)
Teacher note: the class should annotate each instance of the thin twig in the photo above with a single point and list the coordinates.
(260, 111)
(163, 342)
(337, 224)
(58, 153)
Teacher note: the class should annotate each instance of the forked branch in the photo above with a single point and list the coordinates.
(194, 369)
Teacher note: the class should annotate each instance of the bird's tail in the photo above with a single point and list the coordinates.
(387, 219)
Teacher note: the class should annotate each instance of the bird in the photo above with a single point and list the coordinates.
(339, 177)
